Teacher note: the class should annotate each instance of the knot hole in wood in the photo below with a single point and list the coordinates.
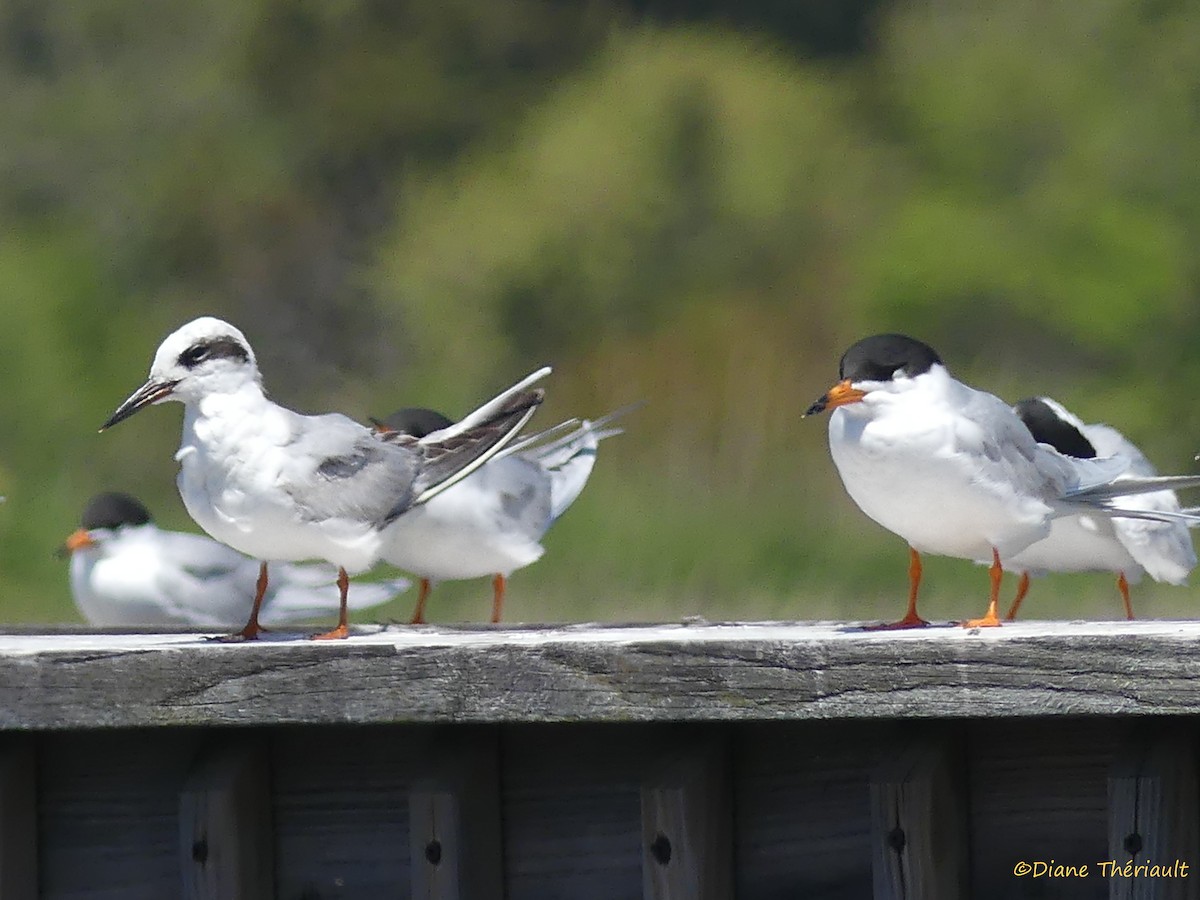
(896, 839)
(1133, 843)
(660, 849)
(200, 850)
(433, 852)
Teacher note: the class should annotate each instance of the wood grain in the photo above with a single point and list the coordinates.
(602, 674)
(108, 813)
(455, 843)
(1153, 800)
(919, 833)
(226, 845)
(18, 818)
(687, 818)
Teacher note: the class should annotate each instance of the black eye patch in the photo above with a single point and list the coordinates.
(213, 348)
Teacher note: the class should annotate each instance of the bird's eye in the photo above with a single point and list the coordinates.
(194, 355)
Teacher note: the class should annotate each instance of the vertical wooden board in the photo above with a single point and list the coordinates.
(108, 813)
(803, 815)
(1154, 815)
(454, 817)
(226, 846)
(572, 812)
(18, 818)
(1039, 792)
(687, 816)
(341, 810)
(919, 837)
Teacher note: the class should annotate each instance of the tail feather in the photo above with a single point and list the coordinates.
(1128, 485)
(569, 459)
(525, 443)
(490, 410)
(549, 452)
(455, 452)
(1187, 517)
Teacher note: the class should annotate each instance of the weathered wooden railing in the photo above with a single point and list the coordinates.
(692, 761)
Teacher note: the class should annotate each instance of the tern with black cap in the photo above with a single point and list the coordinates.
(492, 522)
(953, 470)
(1099, 543)
(126, 571)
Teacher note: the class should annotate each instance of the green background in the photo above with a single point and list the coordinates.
(695, 204)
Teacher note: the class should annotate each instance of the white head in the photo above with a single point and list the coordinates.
(206, 356)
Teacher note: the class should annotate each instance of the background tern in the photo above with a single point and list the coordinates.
(953, 470)
(125, 571)
(1100, 543)
(492, 522)
(281, 486)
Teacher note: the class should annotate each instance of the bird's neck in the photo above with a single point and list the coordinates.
(222, 418)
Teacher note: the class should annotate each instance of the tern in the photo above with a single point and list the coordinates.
(280, 486)
(953, 470)
(492, 522)
(126, 571)
(1099, 543)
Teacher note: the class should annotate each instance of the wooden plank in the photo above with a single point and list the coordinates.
(802, 801)
(18, 819)
(226, 846)
(454, 818)
(603, 674)
(919, 837)
(687, 819)
(572, 812)
(108, 813)
(1039, 793)
(341, 810)
(1154, 819)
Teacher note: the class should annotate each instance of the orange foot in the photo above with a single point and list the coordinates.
(991, 620)
(249, 633)
(335, 635)
(907, 622)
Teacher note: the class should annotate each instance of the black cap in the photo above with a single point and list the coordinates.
(880, 356)
(112, 510)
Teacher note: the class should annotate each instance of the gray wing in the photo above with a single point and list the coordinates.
(344, 470)
(341, 470)
(198, 554)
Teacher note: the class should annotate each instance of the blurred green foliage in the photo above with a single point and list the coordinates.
(696, 204)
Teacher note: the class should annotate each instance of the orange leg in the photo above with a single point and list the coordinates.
(343, 625)
(990, 619)
(498, 583)
(422, 595)
(1123, 587)
(253, 629)
(911, 619)
(1022, 590)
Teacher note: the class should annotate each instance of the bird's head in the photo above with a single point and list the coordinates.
(205, 356)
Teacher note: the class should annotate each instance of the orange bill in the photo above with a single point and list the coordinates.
(78, 540)
(838, 395)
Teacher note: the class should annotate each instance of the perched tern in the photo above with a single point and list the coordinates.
(126, 571)
(492, 522)
(281, 486)
(953, 470)
(1098, 543)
